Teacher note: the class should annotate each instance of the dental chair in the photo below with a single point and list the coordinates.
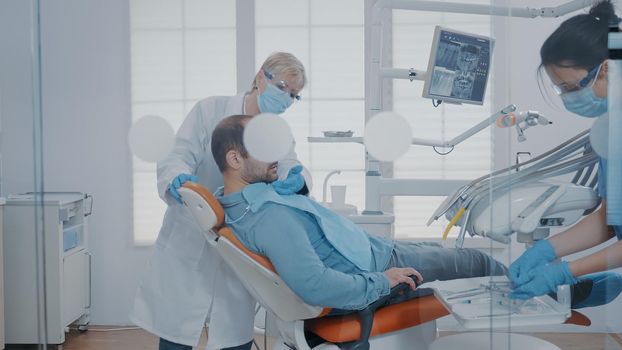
(393, 322)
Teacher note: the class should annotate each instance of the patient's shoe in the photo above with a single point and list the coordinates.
(596, 289)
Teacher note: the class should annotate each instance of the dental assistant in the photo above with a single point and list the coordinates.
(187, 283)
(575, 58)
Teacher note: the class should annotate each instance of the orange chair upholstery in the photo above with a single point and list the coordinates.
(339, 329)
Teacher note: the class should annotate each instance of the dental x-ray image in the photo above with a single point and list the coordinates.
(460, 68)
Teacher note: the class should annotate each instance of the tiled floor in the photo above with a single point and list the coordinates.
(98, 338)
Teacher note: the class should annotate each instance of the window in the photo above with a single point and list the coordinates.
(412, 40)
(181, 51)
(330, 44)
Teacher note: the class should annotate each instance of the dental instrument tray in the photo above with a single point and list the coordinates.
(484, 302)
(336, 133)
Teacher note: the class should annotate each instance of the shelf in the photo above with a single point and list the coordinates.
(322, 139)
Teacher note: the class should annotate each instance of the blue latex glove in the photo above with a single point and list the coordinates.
(292, 184)
(540, 254)
(544, 280)
(177, 182)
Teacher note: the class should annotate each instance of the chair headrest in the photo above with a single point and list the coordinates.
(205, 208)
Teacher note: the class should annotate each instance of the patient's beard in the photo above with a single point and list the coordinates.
(254, 175)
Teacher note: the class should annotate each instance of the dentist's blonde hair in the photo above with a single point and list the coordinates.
(284, 64)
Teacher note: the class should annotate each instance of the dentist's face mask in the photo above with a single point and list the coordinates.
(581, 99)
(276, 98)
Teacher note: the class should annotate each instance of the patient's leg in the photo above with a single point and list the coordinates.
(437, 263)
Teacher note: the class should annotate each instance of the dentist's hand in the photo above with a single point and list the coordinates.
(177, 182)
(544, 280)
(540, 254)
(397, 275)
(292, 184)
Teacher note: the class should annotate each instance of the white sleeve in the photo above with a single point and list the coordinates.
(190, 147)
(290, 161)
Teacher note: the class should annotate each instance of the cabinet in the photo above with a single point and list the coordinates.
(66, 266)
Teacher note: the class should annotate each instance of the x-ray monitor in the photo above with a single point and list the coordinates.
(458, 67)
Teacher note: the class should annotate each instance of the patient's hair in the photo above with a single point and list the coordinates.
(229, 135)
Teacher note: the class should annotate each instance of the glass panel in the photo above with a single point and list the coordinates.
(171, 70)
(279, 13)
(209, 67)
(172, 112)
(159, 14)
(337, 65)
(66, 113)
(157, 65)
(291, 39)
(341, 13)
(412, 41)
(28, 297)
(411, 214)
(208, 14)
(337, 115)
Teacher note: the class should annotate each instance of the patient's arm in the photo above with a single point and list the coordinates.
(397, 275)
(280, 235)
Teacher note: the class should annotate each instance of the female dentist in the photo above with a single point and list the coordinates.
(575, 59)
(187, 282)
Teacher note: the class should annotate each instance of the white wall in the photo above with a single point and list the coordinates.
(16, 97)
(86, 117)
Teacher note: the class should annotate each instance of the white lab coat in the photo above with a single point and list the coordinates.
(187, 282)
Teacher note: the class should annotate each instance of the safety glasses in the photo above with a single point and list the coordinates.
(282, 85)
(581, 84)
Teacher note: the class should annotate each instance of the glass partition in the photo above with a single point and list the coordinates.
(444, 137)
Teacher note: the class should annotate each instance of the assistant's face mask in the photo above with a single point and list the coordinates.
(584, 102)
(273, 100)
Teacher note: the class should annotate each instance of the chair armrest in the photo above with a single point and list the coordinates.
(367, 315)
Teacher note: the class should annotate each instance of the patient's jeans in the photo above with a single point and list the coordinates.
(437, 263)
(167, 345)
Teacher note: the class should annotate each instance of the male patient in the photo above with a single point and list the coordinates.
(323, 257)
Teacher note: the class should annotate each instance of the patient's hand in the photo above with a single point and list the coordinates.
(397, 275)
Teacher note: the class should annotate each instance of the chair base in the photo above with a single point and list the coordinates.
(488, 340)
(416, 338)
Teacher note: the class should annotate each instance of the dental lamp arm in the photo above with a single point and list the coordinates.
(587, 233)
(470, 132)
(480, 9)
(503, 118)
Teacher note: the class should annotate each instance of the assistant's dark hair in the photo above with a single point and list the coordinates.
(228, 135)
(580, 41)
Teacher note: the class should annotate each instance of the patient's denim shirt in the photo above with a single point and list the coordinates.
(295, 244)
